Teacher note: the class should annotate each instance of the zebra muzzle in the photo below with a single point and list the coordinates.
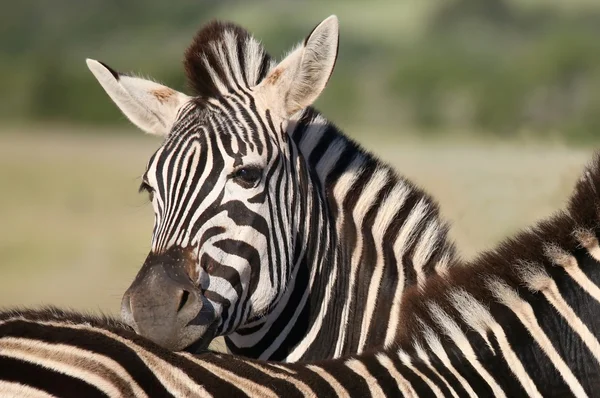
(165, 306)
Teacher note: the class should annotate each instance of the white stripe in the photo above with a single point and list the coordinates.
(385, 215)
(213, 75)
(324, 305)
(424, 248)
(172, 378)
(360, 369)
(68, 354)
(249, 387)
(253, 55)
(230, 41)
(569, 263)
(590, 242)
(187, 180)
(555, 298)
(425, 359)
(403, 241)
(366, 201)
(342, 186)
(337, 387)
(299, 384)
(406, 361)
(538, 280)
(404, 385)
(168, 206)
(34, 352)
(408, 234)
(313, 134)
(16, 390)
(452, 330)
(438, 350)
(330, 159)
(480, 319)
(522, 309)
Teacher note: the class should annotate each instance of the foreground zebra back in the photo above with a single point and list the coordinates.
(521, 320)
(54, 353)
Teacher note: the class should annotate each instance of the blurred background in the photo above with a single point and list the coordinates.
(493, 106)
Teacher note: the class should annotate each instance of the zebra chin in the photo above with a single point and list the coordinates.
(165, 306)
(193, 337)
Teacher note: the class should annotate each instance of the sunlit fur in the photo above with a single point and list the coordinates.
(520, 320)
(313, 260)
(525, 316)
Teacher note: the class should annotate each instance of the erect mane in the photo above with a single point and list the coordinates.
(522, 262)
(224, 57)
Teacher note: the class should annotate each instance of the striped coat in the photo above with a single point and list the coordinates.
(521, 320)
(272, 227)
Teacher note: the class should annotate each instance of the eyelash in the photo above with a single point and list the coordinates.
(145, 187)
(247, 176)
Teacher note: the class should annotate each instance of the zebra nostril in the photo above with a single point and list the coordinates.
(126, 311)
(183, 300)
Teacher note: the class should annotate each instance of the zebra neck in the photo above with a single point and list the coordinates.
(387, 235)
(369, 235)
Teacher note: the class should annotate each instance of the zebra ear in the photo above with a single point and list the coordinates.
(149, 105)
(300, 78)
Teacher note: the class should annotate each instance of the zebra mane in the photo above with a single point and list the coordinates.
(525, 263)
(54, 314)
(224, 57)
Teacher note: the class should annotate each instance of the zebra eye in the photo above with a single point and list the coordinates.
(248, 176)
(145, 187)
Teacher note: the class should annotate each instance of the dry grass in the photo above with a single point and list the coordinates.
(75, 231)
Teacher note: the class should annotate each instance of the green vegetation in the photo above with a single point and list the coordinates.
(498, 67)
(502, 71)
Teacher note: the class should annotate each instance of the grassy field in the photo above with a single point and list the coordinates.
(75, 231)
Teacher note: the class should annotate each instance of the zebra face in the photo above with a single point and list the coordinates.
(223, 185)
(212, 263)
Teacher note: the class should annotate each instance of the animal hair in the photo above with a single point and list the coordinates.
(224, 57)
(523, 264)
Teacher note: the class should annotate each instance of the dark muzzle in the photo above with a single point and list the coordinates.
(165, 306)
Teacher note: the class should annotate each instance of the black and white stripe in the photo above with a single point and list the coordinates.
(307, 261)
(58, 354)
(521, 320)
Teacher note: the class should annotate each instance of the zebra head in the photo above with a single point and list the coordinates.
(224, 185)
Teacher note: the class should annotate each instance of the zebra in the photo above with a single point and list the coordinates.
(519, 320)
(53, 353)
(272, 227)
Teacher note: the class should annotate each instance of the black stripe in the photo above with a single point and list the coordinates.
(569, 344)
(237, 366)
(87, 340)
(50, 381)
(351, 381)
(312, 379)
(417, 383)
(464, 367)
(500, 369)
(364, 274)
(427, 372)
(534, 360)
(384, 379)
